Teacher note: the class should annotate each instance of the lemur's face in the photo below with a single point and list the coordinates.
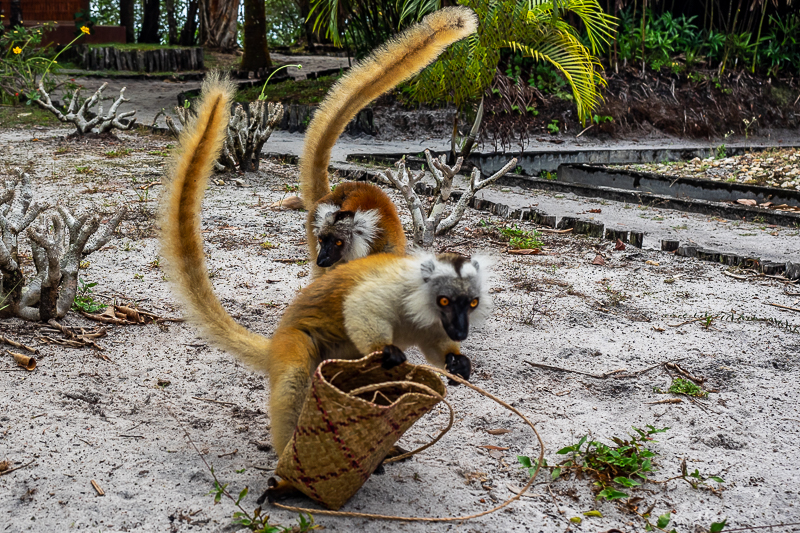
(332, 244)
(456, 285)
(343, 235)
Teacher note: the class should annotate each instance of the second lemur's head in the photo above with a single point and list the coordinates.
(343, 235)
(453, 289)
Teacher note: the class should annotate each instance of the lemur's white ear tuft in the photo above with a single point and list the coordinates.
(320, 217)
(483, 262)
(428, 267)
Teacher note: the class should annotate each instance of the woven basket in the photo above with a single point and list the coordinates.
(354, 413)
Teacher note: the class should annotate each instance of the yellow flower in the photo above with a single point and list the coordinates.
(85, 30)
(17, 50)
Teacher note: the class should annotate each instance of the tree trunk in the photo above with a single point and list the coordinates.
(256, 53)
(126, 19)
(218, 25)
(172, 23)
(308, 25)
(149, 32)
(190, 26)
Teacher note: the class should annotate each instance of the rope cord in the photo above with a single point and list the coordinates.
(435, 519)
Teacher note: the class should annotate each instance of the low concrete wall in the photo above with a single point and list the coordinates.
(646, 182)
(533, 162)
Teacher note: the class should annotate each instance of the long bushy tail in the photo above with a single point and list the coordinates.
(388, 66)
(181, 240)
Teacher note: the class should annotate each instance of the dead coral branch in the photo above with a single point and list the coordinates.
(100, 123)
(247, 133)
(58, 244)
(427, 227)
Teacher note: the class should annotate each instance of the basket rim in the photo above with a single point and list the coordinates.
(373, 355)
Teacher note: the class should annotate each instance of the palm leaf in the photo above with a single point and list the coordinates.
(567, 54)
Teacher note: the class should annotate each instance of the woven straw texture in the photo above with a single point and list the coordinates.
(340, 438)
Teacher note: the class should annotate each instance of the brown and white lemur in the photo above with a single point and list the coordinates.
(382, 302)
(358, 219)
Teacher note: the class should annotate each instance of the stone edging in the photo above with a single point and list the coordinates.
(580, 226)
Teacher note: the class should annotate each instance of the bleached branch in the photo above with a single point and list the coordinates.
(100, 123)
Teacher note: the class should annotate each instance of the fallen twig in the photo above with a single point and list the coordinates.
(100, 491)
(689, 321)
(16, 344)
(548, 230)
(151, 184)
(621, 373)
(559, 369)
(76, 340)
(784, 307)
(212, 401)
(669, 400)
(763, 527)
(3, 473)
(516, 490)
(229, 453)
(685, 373)
(734, 276)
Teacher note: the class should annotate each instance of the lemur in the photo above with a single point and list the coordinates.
(382, 302)
(357, 219)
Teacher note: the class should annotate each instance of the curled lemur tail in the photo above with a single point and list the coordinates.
(181, 240)
(388, 66)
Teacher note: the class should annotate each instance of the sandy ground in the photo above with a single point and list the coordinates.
(83, 419)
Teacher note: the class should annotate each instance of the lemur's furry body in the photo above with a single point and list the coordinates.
(380, 302)
(384, 69)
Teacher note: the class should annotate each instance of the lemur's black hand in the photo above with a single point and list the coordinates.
(392, 356)
(459, 365)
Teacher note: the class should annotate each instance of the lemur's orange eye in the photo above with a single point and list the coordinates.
(444, 302)
(339, 243)
(474, 303)
(320, 240)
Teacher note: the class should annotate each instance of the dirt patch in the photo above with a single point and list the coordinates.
(700, 105)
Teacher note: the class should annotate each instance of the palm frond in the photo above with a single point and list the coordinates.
(580, 68)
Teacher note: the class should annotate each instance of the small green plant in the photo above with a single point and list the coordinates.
(519, 239)
(256, 521)
(112, 154)
(553, 126)
(291, 188)
(268, 245)
(547, 175)
(626, 465)
(162, 153)
(747, 125)
(84, 170)
(83, 298)
(615, 297)
(264, 88)
(683, 386)
(597, 119)
(720, 152)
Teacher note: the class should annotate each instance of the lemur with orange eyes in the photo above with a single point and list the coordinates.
(382, 302)
(358, 219)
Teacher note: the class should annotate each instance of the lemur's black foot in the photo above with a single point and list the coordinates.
(394, 452)
(458, 364)
(392, 356)
(277, 490)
